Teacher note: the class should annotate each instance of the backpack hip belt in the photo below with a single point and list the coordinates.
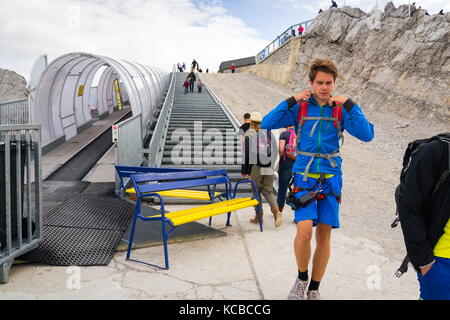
(328, 156)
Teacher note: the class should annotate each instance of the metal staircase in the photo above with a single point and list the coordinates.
(201, 135)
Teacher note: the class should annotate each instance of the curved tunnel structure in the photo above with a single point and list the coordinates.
(63, 100)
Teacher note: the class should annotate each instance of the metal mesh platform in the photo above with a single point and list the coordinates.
(149, 233)
(101, 188)
(92, 212)
(80, 229)
(63, 246)
(59, 191)
(84, 224)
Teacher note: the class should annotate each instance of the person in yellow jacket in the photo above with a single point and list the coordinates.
(424, 211)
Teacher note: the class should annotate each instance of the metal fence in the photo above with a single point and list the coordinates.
(127, 138)
(282, 38)
(128, 142)
(15, 112)
(20, 193)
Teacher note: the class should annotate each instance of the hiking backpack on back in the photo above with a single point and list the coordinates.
(289, 149)
(264, 148)
(410, 152)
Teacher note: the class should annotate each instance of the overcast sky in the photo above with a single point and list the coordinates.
(154, 32)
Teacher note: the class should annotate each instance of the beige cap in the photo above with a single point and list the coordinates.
(255, 116)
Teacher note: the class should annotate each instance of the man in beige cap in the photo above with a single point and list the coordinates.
(257, 164)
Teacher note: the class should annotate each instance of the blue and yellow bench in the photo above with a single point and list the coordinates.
(153, 183)
(127, 171)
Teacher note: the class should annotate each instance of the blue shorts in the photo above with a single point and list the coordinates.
(324, 211)
(435, 284)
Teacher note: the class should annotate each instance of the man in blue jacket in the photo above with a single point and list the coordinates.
(317, 168)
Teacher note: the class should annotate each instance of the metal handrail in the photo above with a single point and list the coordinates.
(155, 150)
(280, 40)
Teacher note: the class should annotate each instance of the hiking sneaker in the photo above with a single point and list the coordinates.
(298, 290)
(313, 295)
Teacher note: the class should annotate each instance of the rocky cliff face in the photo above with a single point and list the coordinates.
(386, 59)
(12, 86)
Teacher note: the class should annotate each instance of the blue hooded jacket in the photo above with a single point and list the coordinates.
(325, 138)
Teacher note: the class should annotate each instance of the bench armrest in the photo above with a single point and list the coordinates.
(226, 193)
(161, 202)
(254, 189)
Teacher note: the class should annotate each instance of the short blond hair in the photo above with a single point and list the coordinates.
(323, 65)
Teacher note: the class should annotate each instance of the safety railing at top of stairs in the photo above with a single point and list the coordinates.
(281, 39)
(156, 147)
(21, 226)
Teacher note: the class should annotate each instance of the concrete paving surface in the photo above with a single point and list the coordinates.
(244, 265)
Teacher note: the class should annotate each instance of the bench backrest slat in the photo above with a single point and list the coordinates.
(127, 171)
(152, 187)
(148, 177)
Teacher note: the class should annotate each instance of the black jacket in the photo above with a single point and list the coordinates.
(192, 76)
(422, 218)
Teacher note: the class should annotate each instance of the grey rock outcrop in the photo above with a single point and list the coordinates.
(397, 61)
(12, 86)
(386, 59)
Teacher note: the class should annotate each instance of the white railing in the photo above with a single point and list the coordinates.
(289, 33)
(14, 112)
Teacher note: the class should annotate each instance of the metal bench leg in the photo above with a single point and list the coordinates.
(4, 271)
(258, 212)
(130, 242)
(228, 219)
(165, 236)
(210, 221)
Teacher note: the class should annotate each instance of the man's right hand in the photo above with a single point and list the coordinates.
(303, 95)
(424, 270)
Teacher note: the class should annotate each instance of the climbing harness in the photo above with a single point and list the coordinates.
(306, 199)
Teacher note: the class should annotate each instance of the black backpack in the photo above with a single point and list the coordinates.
(410, 152)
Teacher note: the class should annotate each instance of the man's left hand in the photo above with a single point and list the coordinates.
(337, 99)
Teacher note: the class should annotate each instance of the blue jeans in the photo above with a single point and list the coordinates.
(284, 176)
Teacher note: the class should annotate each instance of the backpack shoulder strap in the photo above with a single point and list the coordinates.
(446, 173)
(337, 113)
(302, 112)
